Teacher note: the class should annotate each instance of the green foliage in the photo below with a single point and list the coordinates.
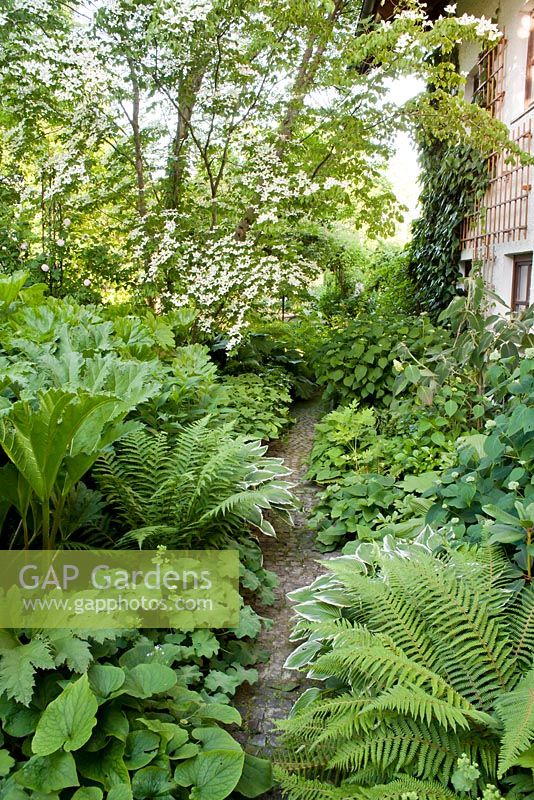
(259, 404)
(387, 285)
(489, 490)
(453, 179)
(340, 438)
(278, 349)
(199, 487)
(358, 362)
(353, 506)
(420, 663)
(50, 448)
(442, 471)
(125, 722)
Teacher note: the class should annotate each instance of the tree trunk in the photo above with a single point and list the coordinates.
(136, 129)
(309, 64)
(177, 163)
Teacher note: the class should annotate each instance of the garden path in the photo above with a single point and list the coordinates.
(294, 558)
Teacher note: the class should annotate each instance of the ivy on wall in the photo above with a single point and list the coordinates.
(453, 179)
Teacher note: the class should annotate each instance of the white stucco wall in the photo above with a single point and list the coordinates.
(513, 17)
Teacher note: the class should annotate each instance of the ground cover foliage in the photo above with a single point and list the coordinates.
(420, 635)
(117, 431)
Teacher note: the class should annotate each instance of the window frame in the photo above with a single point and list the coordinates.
(516, 303)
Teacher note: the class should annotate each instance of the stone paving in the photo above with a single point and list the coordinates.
(293, 557)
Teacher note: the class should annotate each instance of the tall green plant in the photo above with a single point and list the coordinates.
(425, 661)
(50, 447)
(454, 178)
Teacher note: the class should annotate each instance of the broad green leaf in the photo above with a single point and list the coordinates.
(212, 774)
(64, 425)
(106, 679)
(257, 777)
(6, 762)
(48, 773)
(10, 286)
(120, 792)
(500, 515)
(145, 680)
(68, 720)
(168, 732)
(88, 793)
(228, 715)
(187, 750)
(152, 782)
(214, 738)
(21, 722)
(451, 407)
(141, 748)
(105, 766)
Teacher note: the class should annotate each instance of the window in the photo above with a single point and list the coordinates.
(529, 84)
(521, 280)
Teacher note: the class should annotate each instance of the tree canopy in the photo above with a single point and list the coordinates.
(181, 149)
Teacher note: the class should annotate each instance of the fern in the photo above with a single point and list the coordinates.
(520, 620)
(420, 669)
(197, 488)
(516, 710)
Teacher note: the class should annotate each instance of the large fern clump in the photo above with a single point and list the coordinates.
(194, 489)
(428, 678)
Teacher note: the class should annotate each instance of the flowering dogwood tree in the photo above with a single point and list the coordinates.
(187, 142)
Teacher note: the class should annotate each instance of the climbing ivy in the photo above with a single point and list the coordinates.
(453, 179)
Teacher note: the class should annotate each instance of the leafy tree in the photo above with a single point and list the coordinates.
(172, 146)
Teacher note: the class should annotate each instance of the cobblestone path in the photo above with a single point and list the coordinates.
(293, 557)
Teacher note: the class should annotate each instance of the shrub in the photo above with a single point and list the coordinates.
(388, 286)
(195, 489)
(358, 362)
(273, 352)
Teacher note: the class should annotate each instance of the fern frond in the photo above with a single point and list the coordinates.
(520, 621)
(388, 610)
(361, 659)
(296, 788)
(473, 644)
(194, 483)
(516, 710)
(404, 786)
(397, 745)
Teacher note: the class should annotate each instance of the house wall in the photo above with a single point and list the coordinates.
(513, 17)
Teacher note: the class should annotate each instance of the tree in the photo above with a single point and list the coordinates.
(183, 141)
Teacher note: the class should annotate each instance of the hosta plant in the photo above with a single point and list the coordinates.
(426, 670)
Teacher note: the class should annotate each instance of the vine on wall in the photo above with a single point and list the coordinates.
(453, 179)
